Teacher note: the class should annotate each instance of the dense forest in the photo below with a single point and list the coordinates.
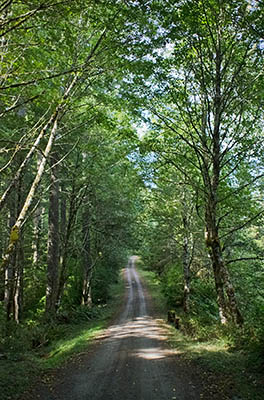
(132, 127)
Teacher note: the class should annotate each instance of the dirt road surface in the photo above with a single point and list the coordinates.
(130, 361)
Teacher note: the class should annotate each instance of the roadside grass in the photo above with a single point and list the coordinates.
(153, 285)
(21, 366)
(236, 372)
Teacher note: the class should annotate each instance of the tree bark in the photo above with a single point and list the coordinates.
(228, 308)
(65, 235)
(19, 284)
(53, 122)
(37, 217)
(187, 276)
(36, 234)
(232, 302)
(10, 268)
(53, 240)
(214, 249)
(87, 259)
(9, 287)
(14, 234)
(187, 259)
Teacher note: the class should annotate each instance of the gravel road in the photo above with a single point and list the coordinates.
(129, 361)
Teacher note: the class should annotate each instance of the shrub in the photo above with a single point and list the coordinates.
(172, 285)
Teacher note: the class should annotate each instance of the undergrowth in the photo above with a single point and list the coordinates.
(35, 348)
(230, 354)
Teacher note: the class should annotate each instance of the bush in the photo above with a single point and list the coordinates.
(172, 285)
(203, 303)
(85, 313)
(104, 276)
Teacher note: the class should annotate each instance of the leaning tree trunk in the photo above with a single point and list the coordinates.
(52, 123)
(15, 230)
(53, 240)
(36, 222)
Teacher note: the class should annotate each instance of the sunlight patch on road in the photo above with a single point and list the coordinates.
(155, 353)
(141, 327)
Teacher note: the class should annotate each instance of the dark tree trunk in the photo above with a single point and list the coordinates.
(215, 254)
(36, 235)
(187, 277)
(186, 257)
(232, 302)
(87, 259)
(15, 269)
(66, 227)
(228, 307)
(53, 241)
(10, 269)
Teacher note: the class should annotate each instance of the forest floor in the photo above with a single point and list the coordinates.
(135, 358)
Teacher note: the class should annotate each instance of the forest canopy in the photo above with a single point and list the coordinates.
(132, 127)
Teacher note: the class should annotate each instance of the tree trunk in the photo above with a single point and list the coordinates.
(14, 234)
(52, 123)
(37, 216)
(53, 241)
(187, 277)
(186, 265)
(37, 219)
(19, 284)
(228, 308)
(214, 249)
(64, 241)
(10, 268)
(232, 302)
(9, 287)
(19, 267)
(15, 269)
(66, 227)
(87, 260)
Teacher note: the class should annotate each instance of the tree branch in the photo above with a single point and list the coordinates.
(244, 259)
